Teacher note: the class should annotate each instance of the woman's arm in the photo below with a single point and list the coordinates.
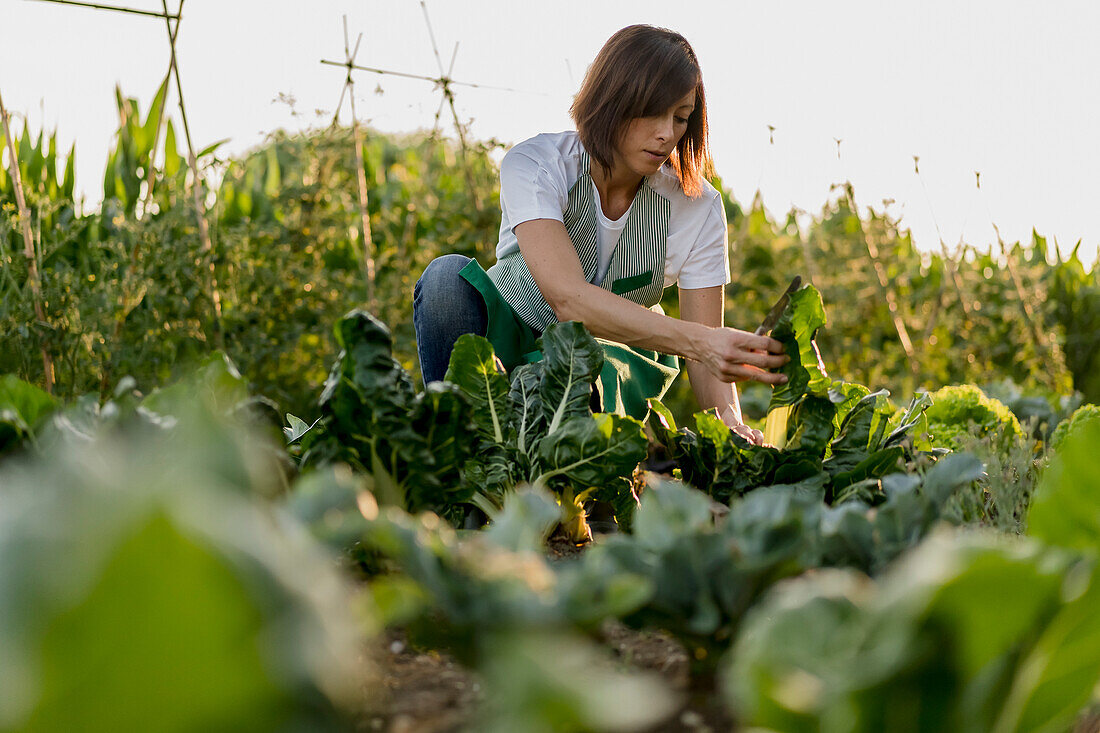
(706, 306)
(726, 353)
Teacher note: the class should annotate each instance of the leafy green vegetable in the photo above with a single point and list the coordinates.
(572, 360)
(22, 408)
(144, 587)
(837, 435)
(960, 410)
(1065, 511)
(796, 330)
(475, 370)
(1083, 415)
(457, 593)
(830, 651)
(411, 446)
(546, 433)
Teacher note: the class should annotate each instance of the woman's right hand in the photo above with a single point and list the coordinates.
(739, 356)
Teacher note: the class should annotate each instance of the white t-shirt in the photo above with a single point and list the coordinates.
(535, 177)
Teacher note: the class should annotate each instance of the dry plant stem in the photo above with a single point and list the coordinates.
(953, 271)
(28, 245)
(364, 213)
(196, 183)
(1041, 343)
(891, 302)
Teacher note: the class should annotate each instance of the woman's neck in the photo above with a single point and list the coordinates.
(616, 189)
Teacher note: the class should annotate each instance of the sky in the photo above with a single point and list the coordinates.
(1008, 90)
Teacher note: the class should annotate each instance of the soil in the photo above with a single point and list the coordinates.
(429, 692)
(425, 691)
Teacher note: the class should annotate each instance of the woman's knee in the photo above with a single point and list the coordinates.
(443, 269)
(442, 292)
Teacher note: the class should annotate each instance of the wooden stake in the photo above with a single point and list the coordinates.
(28, 246)
(360, 168)
(196, 187)
(115, 8)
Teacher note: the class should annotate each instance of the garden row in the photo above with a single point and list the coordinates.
(820, 583)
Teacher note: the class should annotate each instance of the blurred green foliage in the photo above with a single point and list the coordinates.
(147, 585)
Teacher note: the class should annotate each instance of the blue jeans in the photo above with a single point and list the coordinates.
(444, 307)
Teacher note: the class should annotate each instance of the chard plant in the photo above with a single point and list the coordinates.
(822, 434)
(538, 428)
(471, 439)
(409, 446)
(707, 567)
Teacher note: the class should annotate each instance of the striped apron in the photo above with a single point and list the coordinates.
(518, 313)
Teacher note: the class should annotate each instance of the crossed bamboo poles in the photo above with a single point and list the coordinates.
(444, 82)
(172, 26)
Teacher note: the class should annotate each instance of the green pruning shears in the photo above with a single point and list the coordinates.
(777, 310)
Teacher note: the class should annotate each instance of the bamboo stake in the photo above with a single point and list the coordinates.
(115, 8)
(445, 83)
(196, 184)
(360, 172)
(28, 246)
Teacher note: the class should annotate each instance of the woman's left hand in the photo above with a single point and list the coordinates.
(733, 420)
(752, 435)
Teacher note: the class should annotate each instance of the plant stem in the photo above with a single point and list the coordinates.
(28, 246)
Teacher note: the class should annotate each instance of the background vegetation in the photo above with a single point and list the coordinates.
(126, 288)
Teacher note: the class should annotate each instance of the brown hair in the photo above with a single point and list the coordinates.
(641, 72)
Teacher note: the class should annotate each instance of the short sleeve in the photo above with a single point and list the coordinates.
(707, 263)
(528, 190)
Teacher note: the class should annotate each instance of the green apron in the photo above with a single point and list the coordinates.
(518, 313)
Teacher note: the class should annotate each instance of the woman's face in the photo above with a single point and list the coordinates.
(647, 142)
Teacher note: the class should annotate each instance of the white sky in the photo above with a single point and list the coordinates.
(1010, 90)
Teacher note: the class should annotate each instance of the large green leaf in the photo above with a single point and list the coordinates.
(22, 408)
(796, 330)
(810, 425)
(476, 370)
(572, 360)
(1066, 508)
(430, 468)
(527, 414)
(1059, 675)
(143, 589)
(859, 432)
(592, 450)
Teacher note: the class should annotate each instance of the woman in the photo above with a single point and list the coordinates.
(595, 224)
